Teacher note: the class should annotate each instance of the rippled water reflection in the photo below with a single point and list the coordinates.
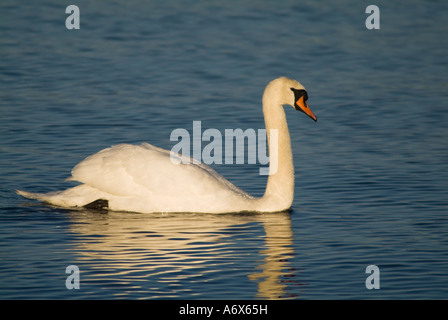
(171, 255)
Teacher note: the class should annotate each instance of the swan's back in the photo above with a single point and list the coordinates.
(146, 173)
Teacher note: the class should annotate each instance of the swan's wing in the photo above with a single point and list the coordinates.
(145, 170)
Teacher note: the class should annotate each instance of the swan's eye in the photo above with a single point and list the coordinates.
(299, 93)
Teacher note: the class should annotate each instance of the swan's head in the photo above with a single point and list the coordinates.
(290, 92)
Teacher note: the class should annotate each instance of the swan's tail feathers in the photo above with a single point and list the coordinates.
(56, 198)
(31, 195)
(78, 196)
(53, 198)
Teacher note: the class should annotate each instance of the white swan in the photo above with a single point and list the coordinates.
(143, 178)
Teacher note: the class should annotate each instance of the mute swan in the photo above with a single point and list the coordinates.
(142, 178)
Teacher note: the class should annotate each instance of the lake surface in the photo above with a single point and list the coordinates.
(371, 174)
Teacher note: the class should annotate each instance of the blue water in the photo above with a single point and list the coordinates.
(371, 174)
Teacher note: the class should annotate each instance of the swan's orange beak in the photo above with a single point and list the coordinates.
(302, 105)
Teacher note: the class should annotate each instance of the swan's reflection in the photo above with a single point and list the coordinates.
(184, 246)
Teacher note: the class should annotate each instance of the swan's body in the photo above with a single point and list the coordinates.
(142, 178)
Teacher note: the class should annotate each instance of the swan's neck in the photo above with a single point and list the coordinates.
(279, 192)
